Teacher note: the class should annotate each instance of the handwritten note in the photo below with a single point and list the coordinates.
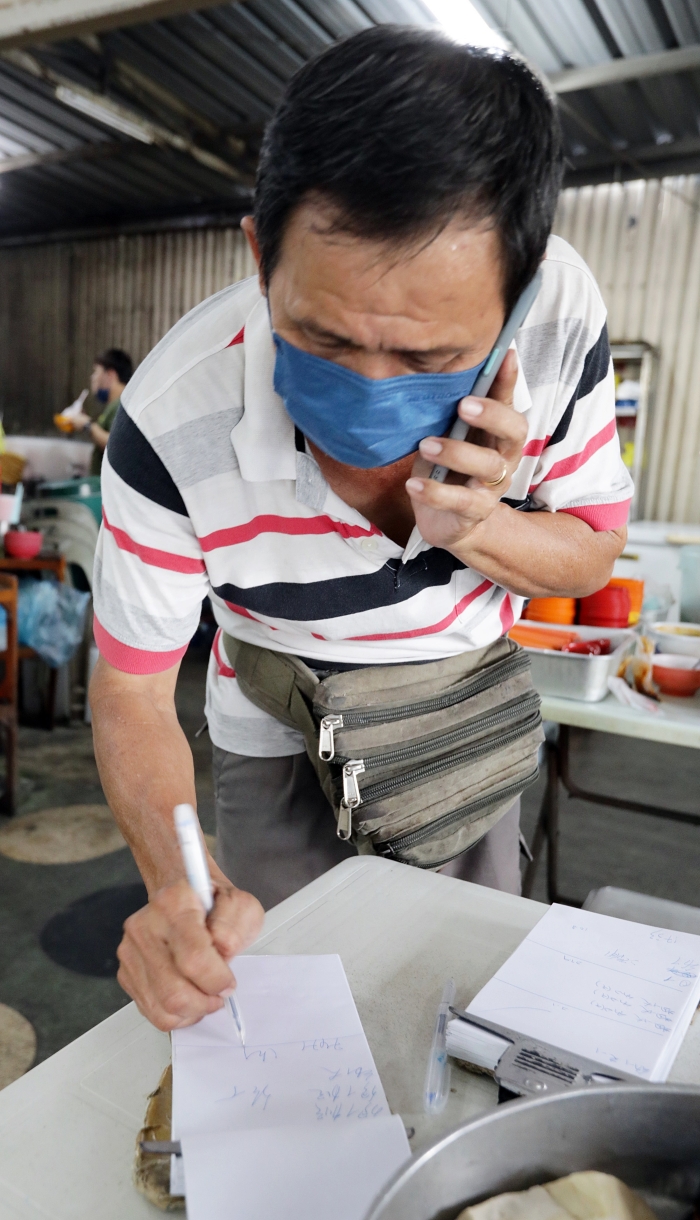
(294, 1172)
(306, 1068)
(619, 992)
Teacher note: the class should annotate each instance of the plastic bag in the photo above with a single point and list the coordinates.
(50, 619)
(636, 669)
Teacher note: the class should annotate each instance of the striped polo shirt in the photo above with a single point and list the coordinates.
(208, 490)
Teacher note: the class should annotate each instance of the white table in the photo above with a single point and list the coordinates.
(67, 1128)
(677, 723)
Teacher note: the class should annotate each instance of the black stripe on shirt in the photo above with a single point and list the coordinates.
(138, 464)
(394, 583)
(595, 370)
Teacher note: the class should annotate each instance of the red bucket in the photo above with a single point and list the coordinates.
(609, 607)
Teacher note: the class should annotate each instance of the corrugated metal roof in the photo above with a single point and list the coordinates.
(197, 89)
(203, 83)
(632, 129)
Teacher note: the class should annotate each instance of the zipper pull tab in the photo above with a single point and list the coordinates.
(326, 744)
(351, 796)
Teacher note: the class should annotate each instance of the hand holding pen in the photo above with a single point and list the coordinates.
(173, 960)
(189, 836)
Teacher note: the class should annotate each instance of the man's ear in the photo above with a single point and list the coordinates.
(248, 227)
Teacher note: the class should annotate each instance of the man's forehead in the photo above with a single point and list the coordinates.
(345, 288)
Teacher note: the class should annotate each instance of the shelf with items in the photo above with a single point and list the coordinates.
(635, 366)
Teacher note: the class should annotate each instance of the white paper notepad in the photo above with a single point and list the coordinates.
(306, 1072)
(618, 992)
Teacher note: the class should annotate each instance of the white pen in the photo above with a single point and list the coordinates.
(189, 836)
(437, 1077)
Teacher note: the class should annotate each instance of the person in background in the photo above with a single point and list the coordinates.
(110, 374)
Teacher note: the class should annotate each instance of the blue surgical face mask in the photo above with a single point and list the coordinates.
(102, 396)
(363, 422)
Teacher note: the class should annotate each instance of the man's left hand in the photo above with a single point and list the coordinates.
(481, 468)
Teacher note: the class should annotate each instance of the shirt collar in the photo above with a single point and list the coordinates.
(522, 398)
(263, 439)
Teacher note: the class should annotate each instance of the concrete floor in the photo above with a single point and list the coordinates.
(599, 846)
(59, 769)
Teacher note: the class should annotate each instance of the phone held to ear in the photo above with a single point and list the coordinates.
(487, 376)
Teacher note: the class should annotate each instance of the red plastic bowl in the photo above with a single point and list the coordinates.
(23, 544)
(676, 675)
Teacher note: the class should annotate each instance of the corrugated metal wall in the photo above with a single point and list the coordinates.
(63, 303)
(642, 242)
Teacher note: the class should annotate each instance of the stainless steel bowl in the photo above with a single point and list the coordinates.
(648, 1135)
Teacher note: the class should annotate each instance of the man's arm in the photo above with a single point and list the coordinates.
(543, 554)
(536, 554)
(172, 962)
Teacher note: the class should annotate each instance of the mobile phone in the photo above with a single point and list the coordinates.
(487, 376)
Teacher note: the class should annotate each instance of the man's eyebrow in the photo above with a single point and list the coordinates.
(321, 333)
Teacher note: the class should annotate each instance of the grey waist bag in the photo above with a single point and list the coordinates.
(418, 761)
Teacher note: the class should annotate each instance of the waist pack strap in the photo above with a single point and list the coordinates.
(284, 686)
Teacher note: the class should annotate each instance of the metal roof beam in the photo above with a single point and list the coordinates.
(82, 152)
(109, 112)
(25, 23)
(635, 67)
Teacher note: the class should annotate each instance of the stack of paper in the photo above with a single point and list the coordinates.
(618, 992)
(295, 1123)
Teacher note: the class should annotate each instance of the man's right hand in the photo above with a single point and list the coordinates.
(174, 962)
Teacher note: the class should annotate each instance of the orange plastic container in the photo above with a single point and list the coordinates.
(635, 588)
(552, 610)
(531, 636)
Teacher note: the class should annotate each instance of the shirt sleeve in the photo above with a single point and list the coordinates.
(150, 577)
(580, 469)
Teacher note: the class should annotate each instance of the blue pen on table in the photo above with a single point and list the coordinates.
(437, 1077)
(189, 836)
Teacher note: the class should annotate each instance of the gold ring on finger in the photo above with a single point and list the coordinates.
(497, 482)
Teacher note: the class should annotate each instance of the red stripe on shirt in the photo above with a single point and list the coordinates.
(601, 516)
(271, 523)
(577, 460)
(246, 614)
(506, 614)
(133, 660)
(225, 670)
(534, 448)
(237, 338)
(154, 558)
(435, 627)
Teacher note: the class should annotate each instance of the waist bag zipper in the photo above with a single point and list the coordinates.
(352, 797)
(393, 847)
(506, 668)
(504, 714)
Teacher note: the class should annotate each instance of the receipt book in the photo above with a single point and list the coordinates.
(295, 1122)
(618, 992)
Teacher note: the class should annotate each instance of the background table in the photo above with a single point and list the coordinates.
(67, 1128)
(677, 723)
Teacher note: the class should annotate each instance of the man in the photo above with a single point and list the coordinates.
(110, 374)
(405, 197)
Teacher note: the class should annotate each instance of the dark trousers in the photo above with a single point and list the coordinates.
(275, 831)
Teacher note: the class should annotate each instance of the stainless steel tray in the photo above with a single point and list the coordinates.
(574, 676)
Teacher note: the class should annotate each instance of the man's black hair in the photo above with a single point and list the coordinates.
(402, 130)
(117, 360)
